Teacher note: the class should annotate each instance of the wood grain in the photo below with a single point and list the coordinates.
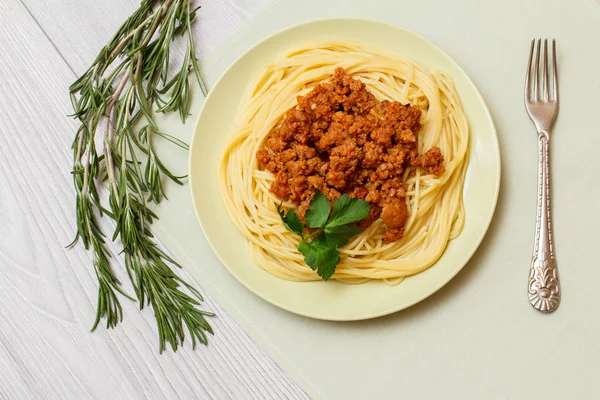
(48, 293)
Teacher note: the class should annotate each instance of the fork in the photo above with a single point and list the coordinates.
(541, 102)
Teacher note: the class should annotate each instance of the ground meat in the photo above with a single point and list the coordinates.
(340, 139)
(431, 161)
(394, 214)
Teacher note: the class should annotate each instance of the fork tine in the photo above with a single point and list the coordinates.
(527, 85)
(554, 72)
(545, 82)
(535, 69)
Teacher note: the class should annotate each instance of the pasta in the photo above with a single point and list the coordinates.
(435, 203)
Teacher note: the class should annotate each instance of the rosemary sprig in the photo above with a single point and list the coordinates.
(117, 93)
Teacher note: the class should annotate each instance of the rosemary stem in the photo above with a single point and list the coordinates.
(123, 153)
(157, 21)
(127, 38)
(86, 171)
(79, 149)
(109, 157)
(108, 133)
(115, 96)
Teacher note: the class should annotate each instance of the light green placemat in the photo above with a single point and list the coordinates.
(477, 337)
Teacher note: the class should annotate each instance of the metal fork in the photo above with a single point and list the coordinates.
(541, 102)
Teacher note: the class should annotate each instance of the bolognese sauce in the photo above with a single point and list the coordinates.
(340, 139)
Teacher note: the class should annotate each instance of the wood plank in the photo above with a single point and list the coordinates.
(85, 26)
(48, 293)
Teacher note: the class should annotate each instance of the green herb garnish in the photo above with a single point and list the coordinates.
(333, 230)
(115, 102)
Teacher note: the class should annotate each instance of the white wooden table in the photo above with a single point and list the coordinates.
(48, 293)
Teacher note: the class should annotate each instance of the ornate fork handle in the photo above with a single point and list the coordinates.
(544, 286)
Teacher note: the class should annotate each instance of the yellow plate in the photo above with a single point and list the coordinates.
(333, 300)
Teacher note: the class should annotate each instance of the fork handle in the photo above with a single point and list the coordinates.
(544, 286)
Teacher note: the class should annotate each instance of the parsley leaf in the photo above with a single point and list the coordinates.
(347, 210)
(320, 256)
(291, 220)
(319, 211)
(339, 236)
(320, 247)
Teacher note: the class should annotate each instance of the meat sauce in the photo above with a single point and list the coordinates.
(340, 139)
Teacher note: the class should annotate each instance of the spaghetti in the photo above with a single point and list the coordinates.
(435, 204)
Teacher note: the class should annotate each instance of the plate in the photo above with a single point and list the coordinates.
(334, 300)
